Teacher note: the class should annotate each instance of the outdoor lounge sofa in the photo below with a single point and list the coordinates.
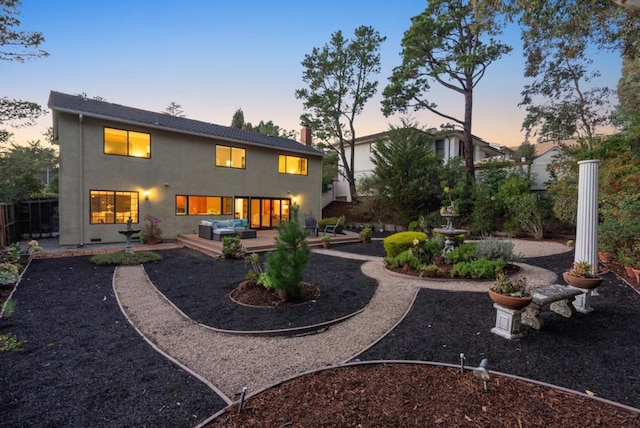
(217, 229)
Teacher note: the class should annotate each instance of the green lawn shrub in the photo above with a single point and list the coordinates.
(406, 257)
(431, 271)
(121, 258)
(478, 269)
(462, 253)
(232, 248)
(399, 242)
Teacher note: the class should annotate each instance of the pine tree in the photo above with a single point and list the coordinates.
(285, 265)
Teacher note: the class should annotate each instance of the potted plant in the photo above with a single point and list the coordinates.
(510, 293)
(326, 239)
(151, 232)
(365, 234)
(580, 276)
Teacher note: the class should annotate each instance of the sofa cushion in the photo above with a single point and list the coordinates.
(223, 224)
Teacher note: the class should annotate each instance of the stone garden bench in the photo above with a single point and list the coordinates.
(558, 297)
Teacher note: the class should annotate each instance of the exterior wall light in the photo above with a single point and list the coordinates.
(146, 195)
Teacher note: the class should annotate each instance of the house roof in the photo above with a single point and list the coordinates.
(77, 104)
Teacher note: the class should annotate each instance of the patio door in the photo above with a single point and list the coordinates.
(263, 213)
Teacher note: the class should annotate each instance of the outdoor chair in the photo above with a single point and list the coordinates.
(311, 225)
(332, 228)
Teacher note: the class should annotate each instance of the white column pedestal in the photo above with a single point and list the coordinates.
(582, 302)
(587, 220)
(507, 322)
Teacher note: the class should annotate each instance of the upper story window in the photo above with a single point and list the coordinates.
(440, 147)
(292, 165)
(109, 206)
(230, 157)
(127, 143)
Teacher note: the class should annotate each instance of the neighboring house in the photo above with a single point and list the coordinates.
(447, 144)
(545, 153)
(118, 162)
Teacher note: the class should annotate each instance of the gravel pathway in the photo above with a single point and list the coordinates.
(231, 362)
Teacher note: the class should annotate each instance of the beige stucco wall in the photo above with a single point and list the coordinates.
(539, 169)
(185, 163)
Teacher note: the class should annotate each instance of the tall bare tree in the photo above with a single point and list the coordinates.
(451, 43)
(340, 81)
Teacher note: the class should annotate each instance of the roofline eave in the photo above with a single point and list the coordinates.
(179, 131)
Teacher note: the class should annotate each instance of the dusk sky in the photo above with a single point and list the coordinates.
(213, 57)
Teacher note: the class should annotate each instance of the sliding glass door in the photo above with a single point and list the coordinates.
(262, 213)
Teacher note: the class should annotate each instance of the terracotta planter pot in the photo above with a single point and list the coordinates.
(604, 257)
(636, 274)
(580, 282)
(325, 244)
(510, 302)
(629, 271)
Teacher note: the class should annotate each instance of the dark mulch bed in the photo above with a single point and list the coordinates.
(418, 395)
(199, 286)
(83, 363)
(596, 352)
(374, 248)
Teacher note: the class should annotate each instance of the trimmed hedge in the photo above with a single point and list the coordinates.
(399, 242)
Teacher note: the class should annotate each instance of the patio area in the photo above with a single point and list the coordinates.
(264, 241)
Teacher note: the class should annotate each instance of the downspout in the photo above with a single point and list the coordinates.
(81, 181)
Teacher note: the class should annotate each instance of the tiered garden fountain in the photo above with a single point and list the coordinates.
(128, 248)
(449, 232)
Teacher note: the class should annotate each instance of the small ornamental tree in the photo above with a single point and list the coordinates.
(285, 265)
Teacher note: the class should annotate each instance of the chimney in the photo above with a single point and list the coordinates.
(305, 134)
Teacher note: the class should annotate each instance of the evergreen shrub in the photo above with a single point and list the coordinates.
(404, 258)
(399, 242)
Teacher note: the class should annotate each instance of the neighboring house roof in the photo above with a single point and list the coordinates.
(542, 148)
(495, 148)
(77, 104)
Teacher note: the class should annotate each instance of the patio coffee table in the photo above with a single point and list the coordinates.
(218, 234)
(247, 233)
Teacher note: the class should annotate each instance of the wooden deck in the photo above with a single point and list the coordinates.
(265, 241)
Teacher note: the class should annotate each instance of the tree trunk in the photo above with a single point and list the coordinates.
(468, 136)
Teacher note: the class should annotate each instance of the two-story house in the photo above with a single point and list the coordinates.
(446, 143)
(118, 162)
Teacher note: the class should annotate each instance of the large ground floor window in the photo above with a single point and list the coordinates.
(203, 205)
(111, 206)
